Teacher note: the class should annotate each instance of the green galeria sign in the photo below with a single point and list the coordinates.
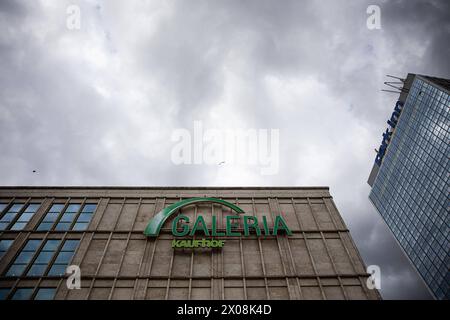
(181, 226)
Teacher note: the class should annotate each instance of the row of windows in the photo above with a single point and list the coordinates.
(28, 294)
(434, 238)
(430, 91)
(421, 143)
(421, 252)
(427, 109)
(70, 218)
(434, 230)
(421, 216)
(427, 213)
(15, 218)
(43, 259)
(414, 165)
(411, 182)
(417, 205)
(425, 157)
(59, 217)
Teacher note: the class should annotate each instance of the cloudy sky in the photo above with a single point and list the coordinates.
(98, 105)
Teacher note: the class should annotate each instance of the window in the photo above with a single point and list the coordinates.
(22, 294)
(4, 293)
(10, 215)
(85, 217)
(44, 257)
(24, 258)
(69, 219)
(9, 218)
(50, 217)
(52, 253)
(4, 246)
(26, 216)
(27, 294)
(63, 258)
(45, 294)
(2, 206)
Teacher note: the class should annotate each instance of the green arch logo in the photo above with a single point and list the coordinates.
(155, 224)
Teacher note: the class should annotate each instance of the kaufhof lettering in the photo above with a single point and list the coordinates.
(196, 243)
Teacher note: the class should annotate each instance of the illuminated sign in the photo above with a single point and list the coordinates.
(181, 226)
(392, 122)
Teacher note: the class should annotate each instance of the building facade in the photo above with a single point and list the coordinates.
(410, 178)
(101, 230)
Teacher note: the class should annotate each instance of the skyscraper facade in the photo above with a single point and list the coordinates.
(410, 178)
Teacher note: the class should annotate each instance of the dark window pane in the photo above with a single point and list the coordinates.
(24, 257)
(56, 208)
(80, 226)
(51, 217)
(73, 208)
(33, 207)
(22, 294)
(8, 217)
(32, 245)
(2, 206)
(45, 294)
(62, 226)
(70, 245)
(5, 244)
(51, 245)
(26, 216)
(16, 207)
(44, 257)
(64, 257)
(4, 293)
(19, 226)
(89, 208)
(85, 217)
(67, 217)
(3, 225)
(16, 270)
(37, 270)
(45, 226)
(57, 270)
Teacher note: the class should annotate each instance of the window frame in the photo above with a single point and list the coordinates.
(15, 220)
(62, 213)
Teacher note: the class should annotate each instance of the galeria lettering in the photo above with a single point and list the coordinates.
(181, 226)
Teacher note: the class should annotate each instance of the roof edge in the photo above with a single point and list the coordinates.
(168, 187)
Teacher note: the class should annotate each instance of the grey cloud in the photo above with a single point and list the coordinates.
(97, 106)
(429, 24)
(12, 8)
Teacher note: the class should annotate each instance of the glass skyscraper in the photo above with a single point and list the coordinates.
(410, 178)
